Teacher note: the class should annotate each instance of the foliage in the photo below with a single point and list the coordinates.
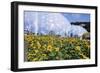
(46, 47)
(86, 36)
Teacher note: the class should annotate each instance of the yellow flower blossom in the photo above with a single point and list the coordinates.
(43, 47)
(84, 56)
(29, 38)
(44, 55)
(36, 51)
(77, 48)
(49, 48)
(38, 45)
(57, 49)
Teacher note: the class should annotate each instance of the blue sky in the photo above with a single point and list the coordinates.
(80, 17)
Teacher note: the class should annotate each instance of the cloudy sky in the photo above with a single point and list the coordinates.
(77, 17)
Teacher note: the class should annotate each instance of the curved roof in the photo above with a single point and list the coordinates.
(45, 22)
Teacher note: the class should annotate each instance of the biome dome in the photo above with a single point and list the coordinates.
(77, 30)
(46, 22)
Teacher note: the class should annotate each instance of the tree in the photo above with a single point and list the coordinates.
(51, 33)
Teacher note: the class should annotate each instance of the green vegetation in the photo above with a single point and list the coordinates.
(46, 47)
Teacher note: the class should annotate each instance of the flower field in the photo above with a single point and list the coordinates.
(46, 47)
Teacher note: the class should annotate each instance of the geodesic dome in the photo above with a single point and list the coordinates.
(77, 30)
(45, 22)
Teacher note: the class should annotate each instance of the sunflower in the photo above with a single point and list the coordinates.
(38, 44)
(49, 48)
(57, 49)
(78, 48)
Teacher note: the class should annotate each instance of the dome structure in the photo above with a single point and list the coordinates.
(77, 31)
(46, 22)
